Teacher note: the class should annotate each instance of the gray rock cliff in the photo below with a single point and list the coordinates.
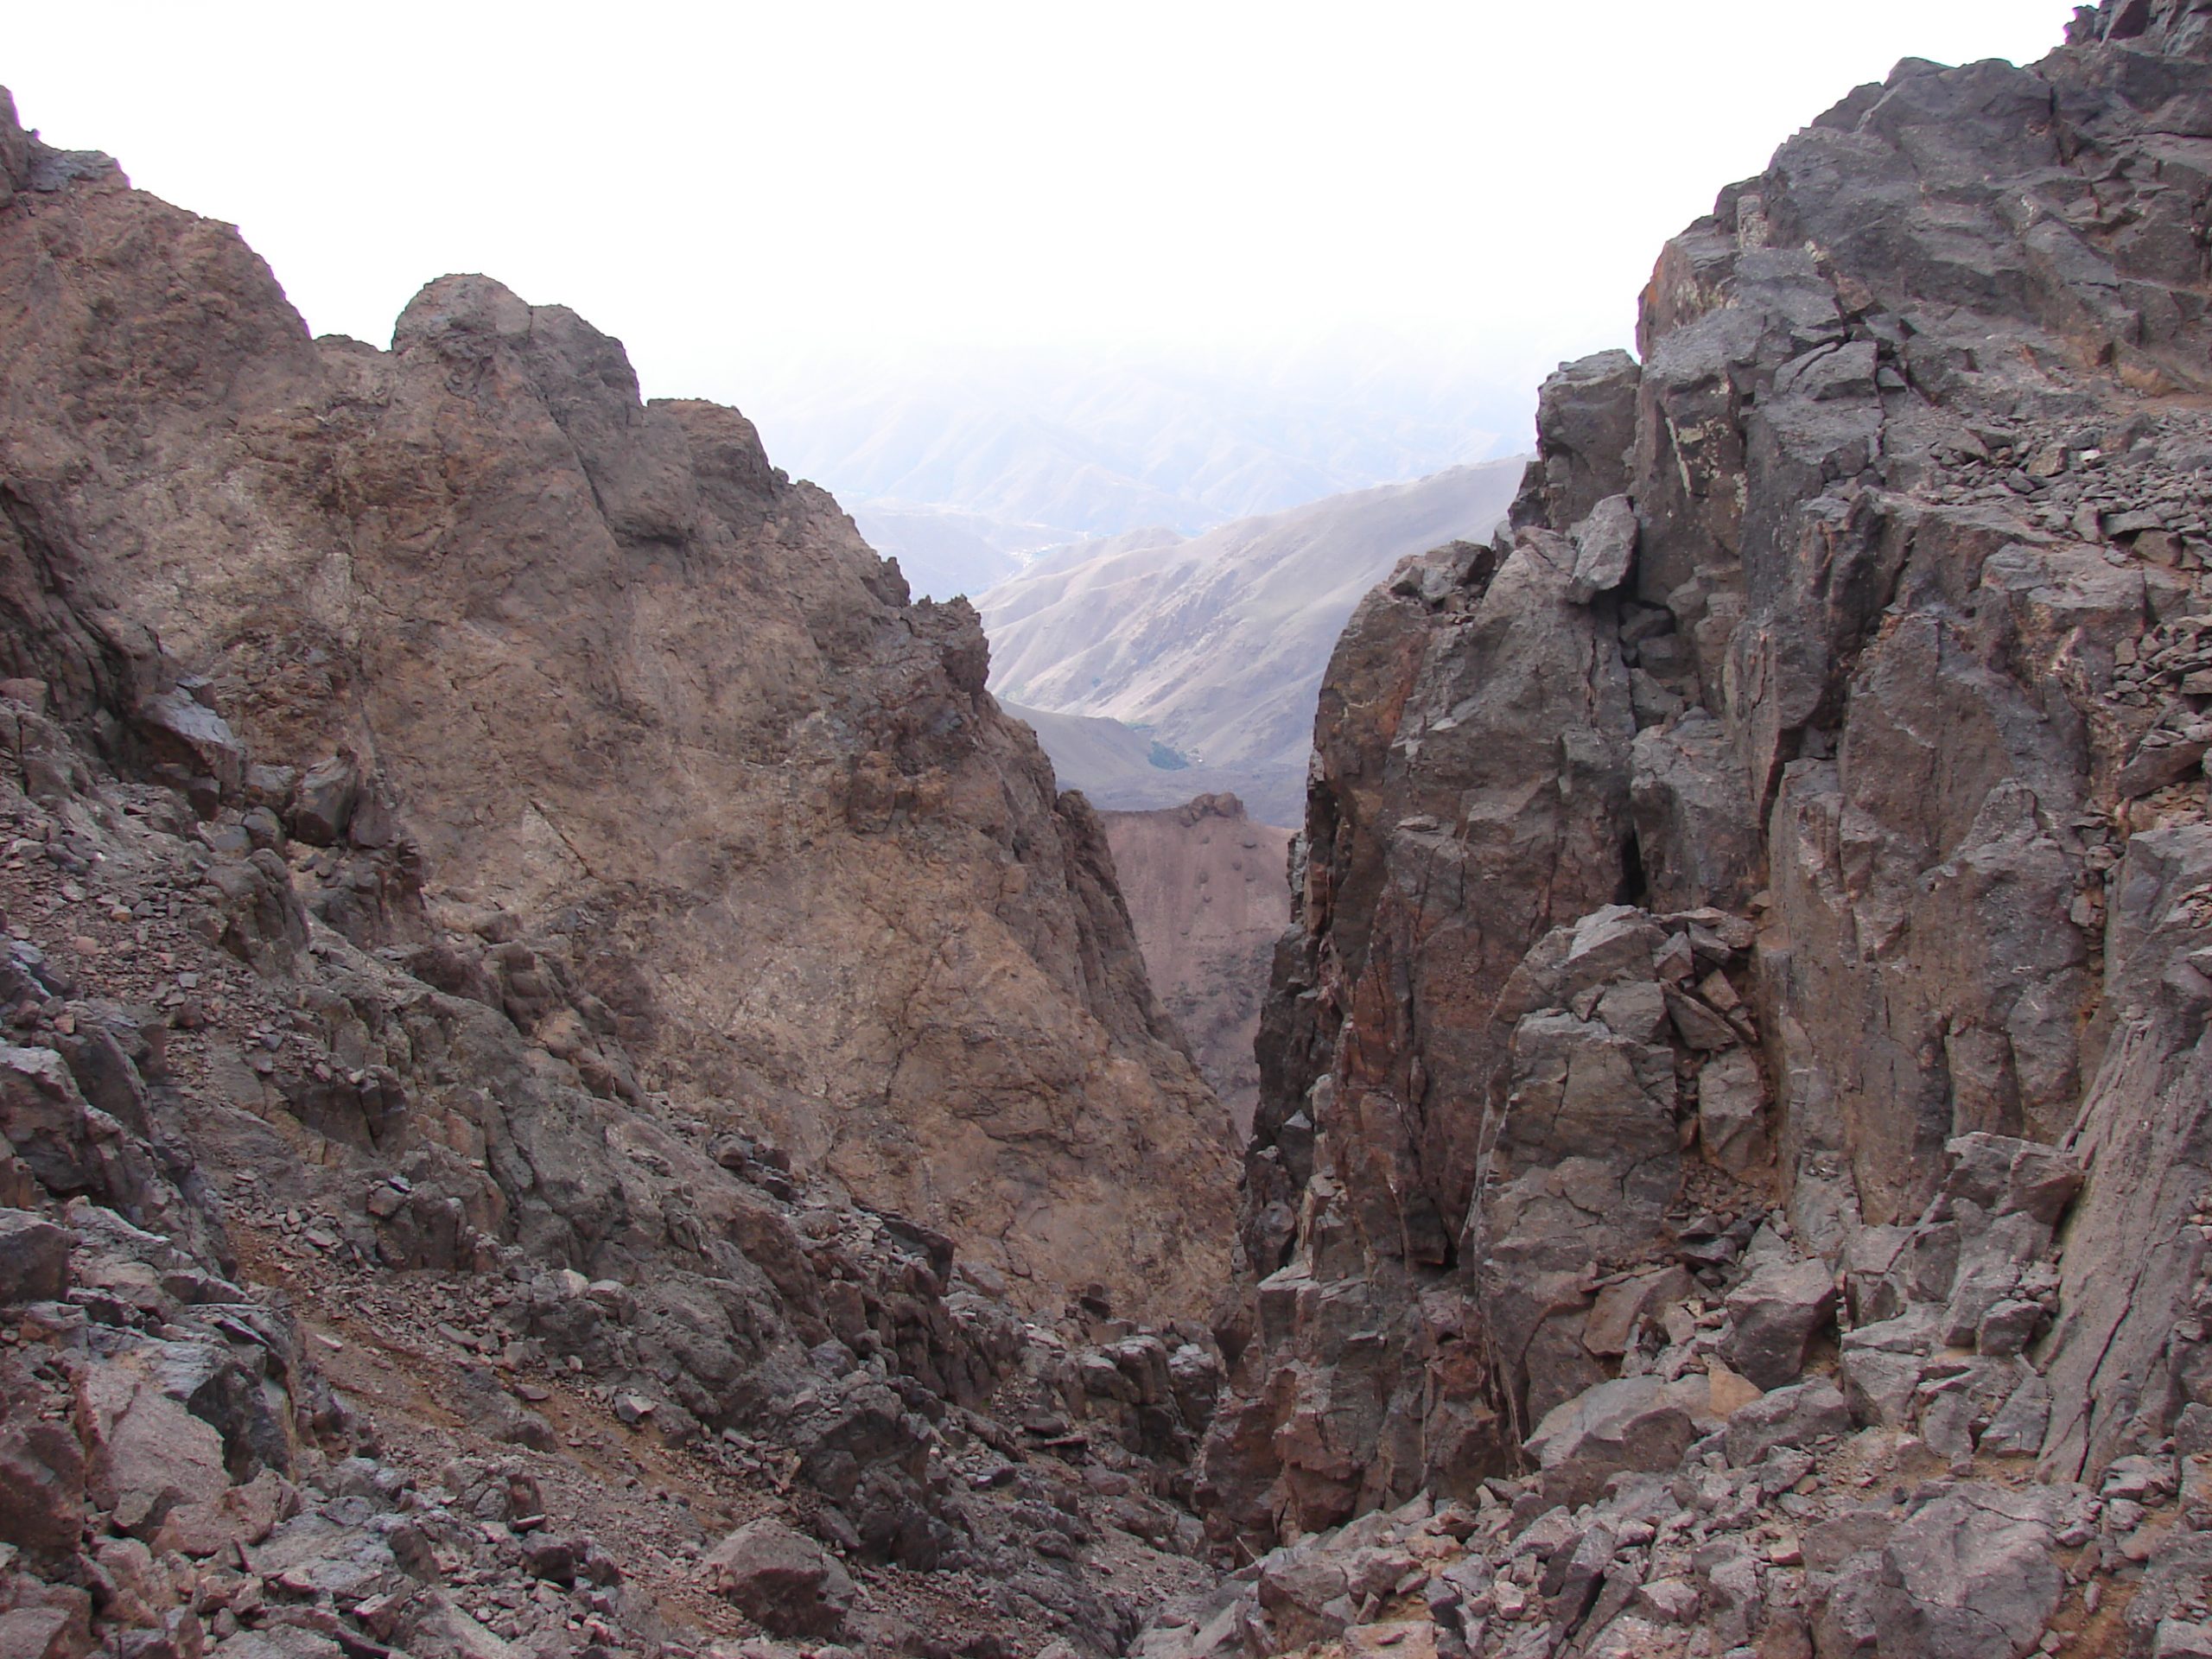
(1751, 918)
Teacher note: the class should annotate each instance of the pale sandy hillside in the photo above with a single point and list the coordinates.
(1215, 644)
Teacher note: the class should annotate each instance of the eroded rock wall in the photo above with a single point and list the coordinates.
(636, 703)
(1809, 781)
(1204, 884)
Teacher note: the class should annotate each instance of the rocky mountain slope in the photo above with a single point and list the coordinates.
(1205, 886)
(643, 708)
(571, 1087)
(1215, 646)
(1731, 1162)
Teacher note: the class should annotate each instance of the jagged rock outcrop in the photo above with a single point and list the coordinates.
(549, 1017)
(643, 710)
(1776, 867)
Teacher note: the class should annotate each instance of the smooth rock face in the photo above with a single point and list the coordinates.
(1771, 907)
(641, 709)
(1205, 886)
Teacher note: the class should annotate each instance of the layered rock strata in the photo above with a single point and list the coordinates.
(1741, 905)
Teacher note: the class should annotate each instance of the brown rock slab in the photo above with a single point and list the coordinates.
(41, 1486)
(1775, 1314)
(34, 1258)
(780, 1578)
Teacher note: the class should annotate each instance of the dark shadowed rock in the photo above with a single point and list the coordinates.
(34, 1258)
(41, 1487)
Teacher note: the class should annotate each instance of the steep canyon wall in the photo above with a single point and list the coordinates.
(1810, 778)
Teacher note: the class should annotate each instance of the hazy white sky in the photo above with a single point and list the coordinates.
(738, 190)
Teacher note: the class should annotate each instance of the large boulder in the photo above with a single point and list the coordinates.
(1633, 1424)
(42, 1632)
(146, 1447)
(1795, 1416)
(1968, 1576)
(34, 1258)
(1774, 1315)
(781, 1579)
(194, 741)
(41, 1487)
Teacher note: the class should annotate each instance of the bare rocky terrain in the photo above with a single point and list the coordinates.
(571, 1086)
(1204, 884)
(638, 704)
(1731, 1174)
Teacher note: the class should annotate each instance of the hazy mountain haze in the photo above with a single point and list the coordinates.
(782, 198)
(953, 475)
(1212, 645)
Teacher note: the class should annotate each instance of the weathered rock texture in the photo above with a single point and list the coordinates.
(545, 1011)
(1781, 860)
(651, 720)
(1205, 894)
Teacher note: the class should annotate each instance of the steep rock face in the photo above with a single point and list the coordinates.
(1811, 777)
(371, 1222)
(1204, 888)
(634, 700)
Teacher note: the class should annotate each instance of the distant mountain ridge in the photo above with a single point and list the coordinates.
(1212, 645)
(951, 471)
(943, 551)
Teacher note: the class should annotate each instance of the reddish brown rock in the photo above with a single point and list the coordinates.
(1787, 784)
(782, 1581)
(1205, 886)
(623, 689)
(41, 1487)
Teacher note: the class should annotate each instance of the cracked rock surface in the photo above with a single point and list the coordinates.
(647, 716)
(1730, 1172)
